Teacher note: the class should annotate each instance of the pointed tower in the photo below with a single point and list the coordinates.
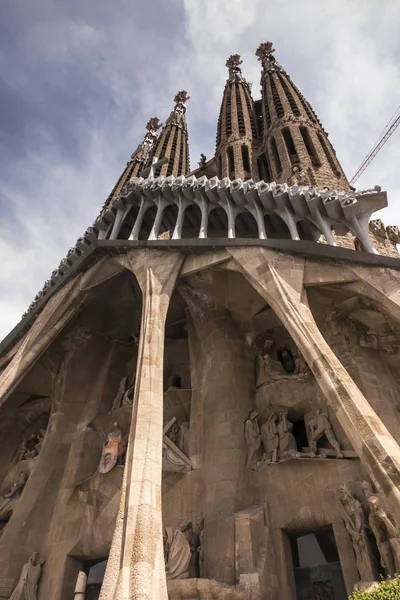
(139, 159)
(173, 140)
(237, 129)
(296, 148)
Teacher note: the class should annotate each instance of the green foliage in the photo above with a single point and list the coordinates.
(389, 589)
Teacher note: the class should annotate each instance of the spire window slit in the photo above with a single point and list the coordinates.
(328, 155)
(312, 153)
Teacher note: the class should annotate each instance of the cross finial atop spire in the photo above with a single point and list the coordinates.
(233, 63)
(153, 124)
(265, 54)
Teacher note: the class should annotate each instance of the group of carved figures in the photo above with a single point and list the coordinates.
(365, 522)
(274, 440)
(287, 367)
(30, 447)
(184, 551)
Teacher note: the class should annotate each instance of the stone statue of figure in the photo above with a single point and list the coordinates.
(192, 535)
(287, 361)
(202, 161)
(253, 439)
(320, 425)
(7, 500)
(124, 394)
(176, 554)
(287, 441)
(113, 450)
(353, 516)
(270, 438)
(28, 582)
(384, 530)
(30, 447)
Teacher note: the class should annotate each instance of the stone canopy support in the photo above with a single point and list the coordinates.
(135, 567)
(279, 280)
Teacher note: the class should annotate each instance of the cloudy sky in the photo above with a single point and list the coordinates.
(79, 80)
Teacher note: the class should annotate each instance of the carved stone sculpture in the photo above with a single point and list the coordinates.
(28, 582)
(175, 447)
(113, 450)
(125, 393)
(30, 447)
(202, 161)
(319, 426)
(353, 516)
(269, 369)
(176, 554)
(270, 438)
(192, 535)
(384, 530)
(253, 439)
(7, 500)
(287, 441)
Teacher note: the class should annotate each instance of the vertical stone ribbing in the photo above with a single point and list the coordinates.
(305, 153)
(173, 141)
(236, 154)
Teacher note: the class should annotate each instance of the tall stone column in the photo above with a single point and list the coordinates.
(279, 279)
(225, 388)
(135, 568)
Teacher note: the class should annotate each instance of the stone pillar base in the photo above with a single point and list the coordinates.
(207, 589)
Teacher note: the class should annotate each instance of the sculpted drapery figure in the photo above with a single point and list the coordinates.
(28, 582)
(252, 436)
(384, 530)
(7, 500)
(287, 441)
(176, 554)
(30, 447)
(270, 438)
(113, 450)
(353, 516)
(175, 447)
(319, 426)
(125, 393)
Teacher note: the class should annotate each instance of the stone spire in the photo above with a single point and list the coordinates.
(173, 141)
(237, 130)
(296, 148)
(139, 159)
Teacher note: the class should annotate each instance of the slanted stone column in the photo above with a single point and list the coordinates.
(279, 279)
(135, 567)
(225, 388)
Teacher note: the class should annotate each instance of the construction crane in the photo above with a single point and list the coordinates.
(380, 142)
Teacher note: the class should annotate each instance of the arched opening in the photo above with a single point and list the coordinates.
(276, 227)
(308, 231)
(191, 222)
(231, 162)
(168, 221)
(312, 153)
(328, 155)
(217, 223)
(148, 222)
(128, 223)
(246, 162)
(263, 168)
(275, 154)
(289, 143)
(246, 226)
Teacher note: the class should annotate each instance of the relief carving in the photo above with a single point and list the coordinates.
(384, 529)
(30, 447)
(319, 426)
(11, 495)
(175, 447)
(287, 367)
(252, 436)
(28, 582)
(354, 520)
(113, 450)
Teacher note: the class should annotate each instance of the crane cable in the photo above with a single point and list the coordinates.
(380, 142)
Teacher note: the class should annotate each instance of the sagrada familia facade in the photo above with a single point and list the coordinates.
(203, 401)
